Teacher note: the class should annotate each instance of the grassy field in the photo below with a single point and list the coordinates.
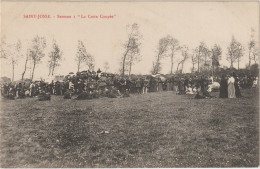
(155, 130)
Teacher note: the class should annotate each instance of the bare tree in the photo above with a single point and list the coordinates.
(255, 55)
(216, 57)
(90, 62)
(82, 57)
(36, 51)
(235, 52)
(193, 60)
(55, 57)
(134, 56)
(25, 64)
(12, 52)
(200, 53)
(16, 56)
(5, 49)
(185, 56)
(106, 66)
(131, 44)
(239, 53)
(207, 58)
(231, 52)
(161, 52)
(174, 46)
(178, 65)
(251, 48)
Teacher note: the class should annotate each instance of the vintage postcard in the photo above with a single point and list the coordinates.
(129, 84)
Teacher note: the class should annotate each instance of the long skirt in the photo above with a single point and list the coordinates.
(169, 86)
(231, 90)
(237, 91)
(160, 87)
(175, 88)
(223, 91)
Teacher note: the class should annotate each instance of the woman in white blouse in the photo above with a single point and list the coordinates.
(231, 87)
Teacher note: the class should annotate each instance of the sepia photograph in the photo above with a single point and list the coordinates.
(133, 84)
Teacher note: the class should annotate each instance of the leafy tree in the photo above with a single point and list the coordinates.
(193, 60)
(235, 52)
(252, 48)
(174, 47)
(201, 54)
(185, 56)
(134, 56)
(83, 58)
(36, 51)
(161, 52)
(25, 64)
(12, 52)
(131, 46)
(55, 57)
(216, 56)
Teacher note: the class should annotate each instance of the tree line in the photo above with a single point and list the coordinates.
(36, 52)
(202, 57)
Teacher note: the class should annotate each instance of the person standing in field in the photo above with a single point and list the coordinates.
(231, 87)
(236, 84)
(223, 90)
(160, 85)
(145, 88)
(138, 86)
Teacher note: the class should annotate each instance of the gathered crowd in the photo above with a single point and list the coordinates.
(89, 85)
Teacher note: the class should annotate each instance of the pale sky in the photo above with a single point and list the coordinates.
(189, 22)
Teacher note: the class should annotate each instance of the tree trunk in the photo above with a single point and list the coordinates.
(78, 65)
(212, 72)
(171, 63)
(13, 71)
(238, 64)
(249, 63)
(34, 64)
(123, 68)
(182, 67)
(178, 67)
(156, 67)
(231, 63)
(53, 67)
(25, 66)
(205, 60)
(130, 68)
(199, 62)
(124, 58)
(49, 71)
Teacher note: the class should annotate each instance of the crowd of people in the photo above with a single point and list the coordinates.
(89, 85)
(230, 86)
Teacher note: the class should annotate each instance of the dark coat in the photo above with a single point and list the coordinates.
(223, 90)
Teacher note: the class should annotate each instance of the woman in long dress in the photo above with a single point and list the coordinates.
(231, 87)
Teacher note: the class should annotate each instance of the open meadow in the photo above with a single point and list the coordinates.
(159, 129)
